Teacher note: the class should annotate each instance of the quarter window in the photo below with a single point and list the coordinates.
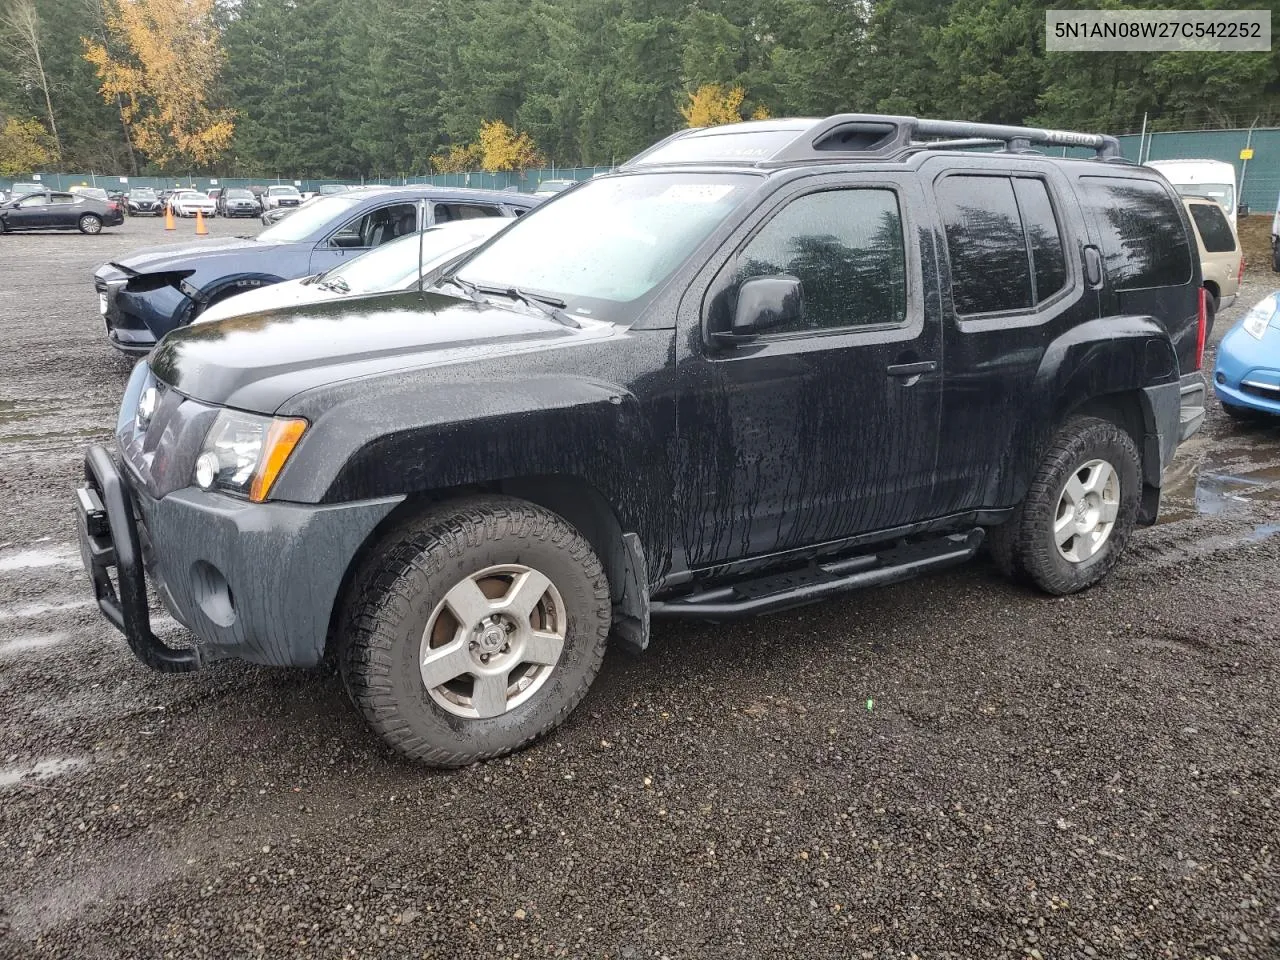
(1144, 243)
(846, 248)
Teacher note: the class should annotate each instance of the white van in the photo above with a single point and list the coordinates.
(1214, 179)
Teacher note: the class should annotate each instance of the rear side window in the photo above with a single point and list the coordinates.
(1144, 243)
(1003, 241)
(846, 248)
(1215, 230)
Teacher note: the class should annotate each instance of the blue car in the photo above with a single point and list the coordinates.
(146, 294)
(1247, 375)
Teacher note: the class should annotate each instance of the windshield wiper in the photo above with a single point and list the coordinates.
(337, 284)
(553, 307)
(466, 286)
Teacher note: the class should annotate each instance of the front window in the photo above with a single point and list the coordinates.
(282, 192)
(239, 195)
(395, 265)
(143, 194)
(610, 241)
(309, 219)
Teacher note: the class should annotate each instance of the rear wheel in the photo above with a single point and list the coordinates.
(475, 630)
(90, 223)
(1079, 512)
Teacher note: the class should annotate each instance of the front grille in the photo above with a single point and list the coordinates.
(1264, 390)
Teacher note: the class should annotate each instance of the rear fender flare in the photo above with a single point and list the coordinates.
(1119, 355)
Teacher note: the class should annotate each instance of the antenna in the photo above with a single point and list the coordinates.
(422, 230)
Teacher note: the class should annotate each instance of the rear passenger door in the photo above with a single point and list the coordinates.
(447, 211)
(1013, 256)
(827, 428)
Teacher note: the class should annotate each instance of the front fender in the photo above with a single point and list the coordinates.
(1119, 356)
(199, 297)
(481, 435)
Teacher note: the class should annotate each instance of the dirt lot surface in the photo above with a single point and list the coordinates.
(953, 767)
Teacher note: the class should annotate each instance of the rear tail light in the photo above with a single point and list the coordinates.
(1240, 275)
(1202, 323)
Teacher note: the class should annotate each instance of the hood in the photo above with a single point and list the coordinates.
(180, 257)
(257, 361)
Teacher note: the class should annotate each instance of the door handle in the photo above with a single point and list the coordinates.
(912, 369)
(1093, 266)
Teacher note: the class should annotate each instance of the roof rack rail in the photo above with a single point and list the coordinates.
(852, 136)
(894, 135)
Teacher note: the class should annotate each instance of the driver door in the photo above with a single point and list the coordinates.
(31, 213)
(365, 232)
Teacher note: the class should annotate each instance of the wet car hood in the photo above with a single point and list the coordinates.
(161, 259)
(258, 361)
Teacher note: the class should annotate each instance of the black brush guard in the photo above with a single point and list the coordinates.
(109, 538)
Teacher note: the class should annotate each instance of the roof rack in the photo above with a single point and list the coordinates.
(852, 136)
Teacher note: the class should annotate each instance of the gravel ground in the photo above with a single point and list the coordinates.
(950, 768)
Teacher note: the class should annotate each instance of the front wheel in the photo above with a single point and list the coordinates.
(474, 630)
(90, 224)
(1079, 512)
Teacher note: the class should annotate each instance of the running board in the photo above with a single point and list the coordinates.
(820, 581)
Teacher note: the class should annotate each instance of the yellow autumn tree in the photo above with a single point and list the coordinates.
(713, 104)
(163, 65)
(459, 159)
(25, 146)
(501, 148)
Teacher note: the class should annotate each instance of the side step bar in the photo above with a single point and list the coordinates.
(817, 582)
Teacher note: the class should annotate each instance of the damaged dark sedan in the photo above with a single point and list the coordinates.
(146, 294)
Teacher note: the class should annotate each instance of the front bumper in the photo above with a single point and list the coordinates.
(1248, 370)
(256, 581)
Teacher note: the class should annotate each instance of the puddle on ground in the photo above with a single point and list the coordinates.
(27, 611)
(9, 776)
(1232, 481)
(40, 557)
(30, 641)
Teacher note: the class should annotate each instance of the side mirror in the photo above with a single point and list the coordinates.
(764, 303)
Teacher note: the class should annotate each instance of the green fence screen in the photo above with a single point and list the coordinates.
(1259, 178)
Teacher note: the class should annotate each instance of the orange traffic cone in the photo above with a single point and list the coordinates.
(168, 218)
(201, 229)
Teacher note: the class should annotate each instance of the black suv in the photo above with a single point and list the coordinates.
(759, 365)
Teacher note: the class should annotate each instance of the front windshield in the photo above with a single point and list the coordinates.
(239, 195)
(611, 240)
(306, 220)
(1224, 194)
(393, 265)
(143, 194)
(281, 191)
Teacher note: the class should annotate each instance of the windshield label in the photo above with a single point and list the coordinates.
(696, 192)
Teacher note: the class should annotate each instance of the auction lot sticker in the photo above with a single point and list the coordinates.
(1103, 31)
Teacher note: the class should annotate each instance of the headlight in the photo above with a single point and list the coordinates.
(244, 453)
(1258, 319)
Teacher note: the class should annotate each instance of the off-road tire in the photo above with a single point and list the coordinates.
(90, 224)
(1023, 547)
(408, 574)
